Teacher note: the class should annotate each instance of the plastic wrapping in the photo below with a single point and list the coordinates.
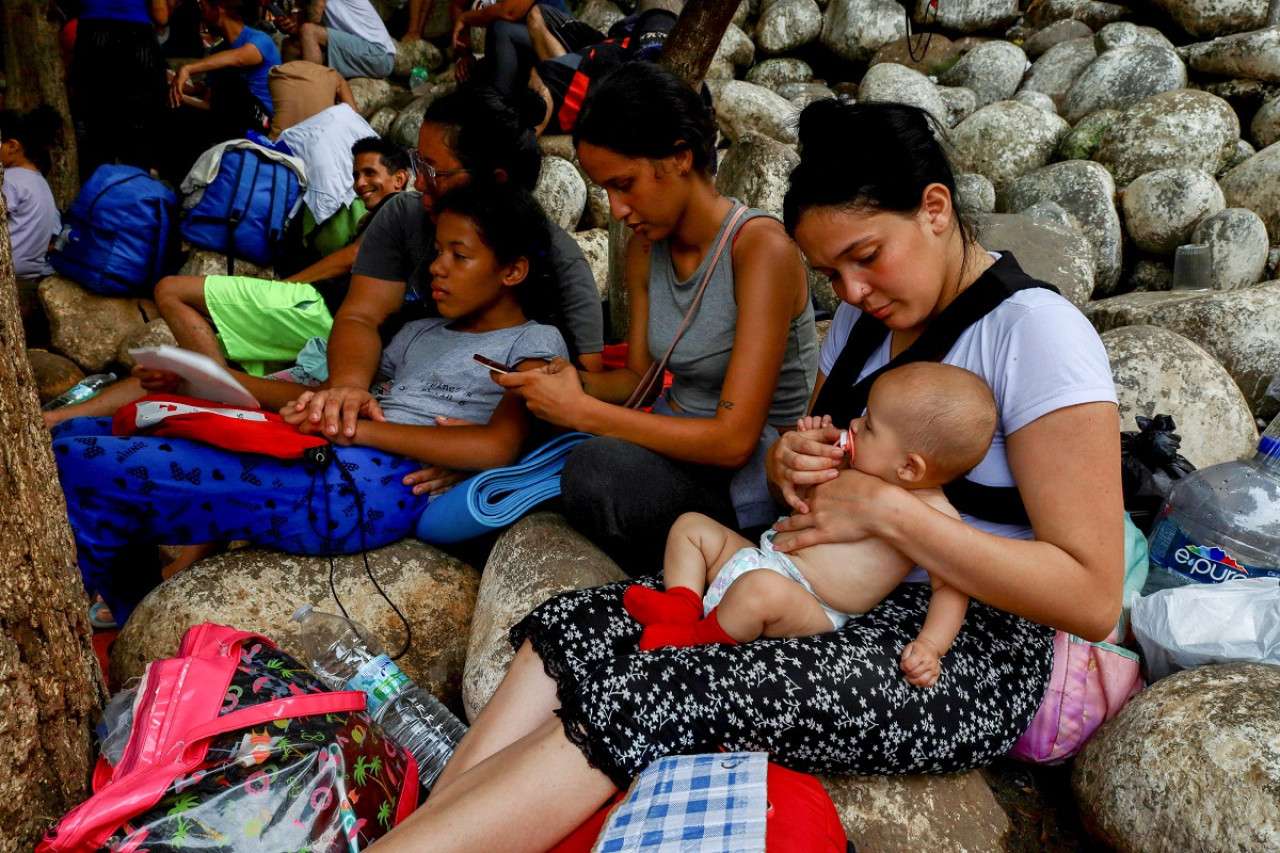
(115, 726)
(1149, 466)
(1198, 624)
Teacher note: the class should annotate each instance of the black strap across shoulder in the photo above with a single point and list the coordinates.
(843, 398)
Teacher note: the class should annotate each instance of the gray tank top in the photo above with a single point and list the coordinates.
(701, 358)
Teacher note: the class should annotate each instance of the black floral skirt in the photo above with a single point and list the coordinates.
(831, 703)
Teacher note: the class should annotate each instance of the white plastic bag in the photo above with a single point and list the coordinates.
(1237, 620)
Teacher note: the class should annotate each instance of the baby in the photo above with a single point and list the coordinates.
(926, 424)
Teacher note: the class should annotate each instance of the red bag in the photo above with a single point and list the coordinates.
(219, 424)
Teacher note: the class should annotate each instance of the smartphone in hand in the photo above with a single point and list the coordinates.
(496, 366)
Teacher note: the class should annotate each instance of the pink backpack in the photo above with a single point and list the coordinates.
(234, 745)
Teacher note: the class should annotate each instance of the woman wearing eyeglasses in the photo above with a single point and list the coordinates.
(467, 136)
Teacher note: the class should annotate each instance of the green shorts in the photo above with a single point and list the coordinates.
(263, 324)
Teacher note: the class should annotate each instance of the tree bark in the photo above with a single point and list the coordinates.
(51, 688)
(692, 45)
(35, 73)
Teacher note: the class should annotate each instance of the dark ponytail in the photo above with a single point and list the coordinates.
(487, 133)
(38, 131)
(868, 156)
(642, 110)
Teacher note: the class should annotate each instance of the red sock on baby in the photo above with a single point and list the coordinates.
(701, 633)
(654, 607)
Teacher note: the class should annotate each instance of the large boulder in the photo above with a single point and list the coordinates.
(992, 70)
(538, 557)
(1039, 100)
(779, 71)
(1253, 184)
(561, 192)
(1237, 327)
(153, 334)
(975, 194)
(87, 327)
(785, 25)
(1264, 130)
(1058, 68)
(959, 102)
(907, 814)
(969, 16)
(594, 243)
(742, 107)
(206, 262)
(417, 53)
(372, 94)
(1210, 18)
(382, 119)
(258, 590)
(856, 29)
(889, 81)
(1180, 128)
(600, 14)
(939, 53)
(1161, 372)
(1095, 13)
(1056, 33)
(404, 130)
(1124, 34)
(1086, 191)
(1006, 140)
(1084, 138)
(1162, 207)
(1191, 763)
(757, 171)
(1237, 240)
(52, 374)
(1121, 78)
(1049, 251)
(1254, 55)
(736, 48)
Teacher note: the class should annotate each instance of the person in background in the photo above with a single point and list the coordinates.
(508, 43)
(25, 140)
(346, 35)
(301, 89)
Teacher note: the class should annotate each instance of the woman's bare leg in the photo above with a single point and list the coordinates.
(524, 701)
(524, 799)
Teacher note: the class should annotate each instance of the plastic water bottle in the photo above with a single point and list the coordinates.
(81, 391)
(346, 656)
(1221, 522)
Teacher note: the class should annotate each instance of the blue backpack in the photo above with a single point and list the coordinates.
(246, 208)
(116, 236)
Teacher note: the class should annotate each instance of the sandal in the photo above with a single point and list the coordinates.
(100, 616)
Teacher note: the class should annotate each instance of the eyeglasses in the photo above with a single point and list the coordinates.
(429, 172)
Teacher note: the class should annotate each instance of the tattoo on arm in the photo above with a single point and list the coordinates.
(727, 405)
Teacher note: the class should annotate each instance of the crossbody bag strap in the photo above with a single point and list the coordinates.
(653, 376)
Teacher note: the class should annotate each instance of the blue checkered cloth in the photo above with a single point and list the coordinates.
(693, 804)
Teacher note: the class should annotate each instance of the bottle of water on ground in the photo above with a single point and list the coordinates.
(1221, 522)
(78, 393)
(344, 655)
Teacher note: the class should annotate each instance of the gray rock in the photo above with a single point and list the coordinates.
(558, 145)
(1150, 275)
(87, 327)
(971, 16)
(1096, 14)
(956, 813)
(1253, 184)
(1264, 130)
(418, 53)
(1124, 34)
(594, 243)
(1086, 191)
(856, 29)
(992, 70)
(786, 25)
(1243, 151)
(959, 102)
(742, 107)
(52, 374)
(1237, 327)
(404, 130)
(939, 53)
(1006, 140)
(1160, 372)
(890, 82)
(802, 95)
(1191, 763)
(780, 71)
(1254, 55)
(757, 171)
(721, 69)
(975, 194)
(382, 120)
(153, 334)
(1162, 207)
(205, 262)
(1039, 100)
(561, 192)
(736, 47)
(1054, 34)
(1179, 128)
(1083, 139)
(1238, 241)
(255, 589)
(372, 94)
(600, 14)
(597, 215)
(1210, 18)
(1053, 253)
(824, 295)
(538, 557)
(743, 12)
(1057, 70)
(1121, 78)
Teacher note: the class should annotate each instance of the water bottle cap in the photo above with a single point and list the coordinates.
(301, 612)
(1269, 446)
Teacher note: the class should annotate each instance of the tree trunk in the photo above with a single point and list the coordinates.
(35, 74)
(50, 686)
(692, 45)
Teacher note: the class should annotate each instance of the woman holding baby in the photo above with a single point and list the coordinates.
(582, 710)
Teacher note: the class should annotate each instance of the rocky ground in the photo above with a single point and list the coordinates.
(1092, 139)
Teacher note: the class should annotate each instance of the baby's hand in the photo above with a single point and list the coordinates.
(921, 663)
(812, 422)
(156, 381)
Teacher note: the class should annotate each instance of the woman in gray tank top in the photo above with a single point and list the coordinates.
(745, 362)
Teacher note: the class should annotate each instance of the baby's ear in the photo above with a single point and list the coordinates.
(913, 469)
